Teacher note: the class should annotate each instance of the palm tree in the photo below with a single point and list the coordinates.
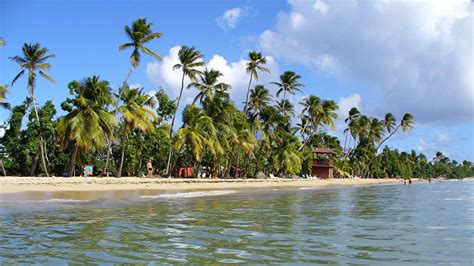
(3, 92)
(287, 108)
(255, 64)
(259, 98)
(319, 113)
(288, 84)
(197, 133)
(2, 42)
(138, 34)
(88, 125)
(354, 114)
(190, 64)
(208, 86)
(406, 124)
(137, 114)
(33, 61)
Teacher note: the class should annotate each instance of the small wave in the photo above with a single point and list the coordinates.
(307, 188)
(193, 194)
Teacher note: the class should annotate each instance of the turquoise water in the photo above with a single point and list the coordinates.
(418, 224)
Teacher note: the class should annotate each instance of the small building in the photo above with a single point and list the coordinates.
(323, 164)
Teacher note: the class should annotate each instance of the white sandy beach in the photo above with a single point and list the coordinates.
(24, 184)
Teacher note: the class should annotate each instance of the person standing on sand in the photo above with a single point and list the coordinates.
(149, 167)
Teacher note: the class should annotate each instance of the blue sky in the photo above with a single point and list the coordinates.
(356, 53)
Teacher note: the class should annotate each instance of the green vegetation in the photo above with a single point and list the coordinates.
(119, 132)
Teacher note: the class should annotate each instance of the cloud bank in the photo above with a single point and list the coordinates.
(416, 56)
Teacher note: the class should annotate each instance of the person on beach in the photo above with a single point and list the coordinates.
(409, 181)
(149, 167)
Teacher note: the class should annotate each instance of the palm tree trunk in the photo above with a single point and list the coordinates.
(172, 125)
(72, 162)
(393, 132)
(109, 145)
(248, 92)
(124, 143)
(3, 167)
(284, 98)
(43, 159)
(34, 164)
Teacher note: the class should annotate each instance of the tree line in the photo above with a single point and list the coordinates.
(119, 131)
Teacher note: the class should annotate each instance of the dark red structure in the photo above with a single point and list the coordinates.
(323, 164)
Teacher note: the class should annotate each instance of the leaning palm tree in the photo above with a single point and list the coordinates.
(3, 92)
(255, 64)
(137, 114)
(190, 63)
(34, 60)
(288, 84)
(139, 34)
(88, 125)
(208, 85)
(406, 124)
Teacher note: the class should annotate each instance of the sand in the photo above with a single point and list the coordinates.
(61, 184)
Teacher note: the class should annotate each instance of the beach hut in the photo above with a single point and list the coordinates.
(323, 164)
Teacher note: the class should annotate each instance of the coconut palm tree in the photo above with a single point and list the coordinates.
(198, 133)
(190, 64)
(259, 98)
(255, 64)
(89, 124)
(287, 109)
(319, 113)
(137, 114)
(34, 60)
(288, 84)
(406, 124)
(208, 86)
(2, 42)
(139, 34)
(3, 92)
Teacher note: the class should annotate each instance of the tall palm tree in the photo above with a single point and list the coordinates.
(406, 124)
(34, 60)
(259, 98)
(137, 114)
(288, 84)
(88, 125)
(139, 34)
(190, 64)
(319, 113)
(208, 86)
(3, 92)
(287, 108)
(255, 64)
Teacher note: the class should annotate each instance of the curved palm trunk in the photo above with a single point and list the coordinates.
(172, 125)
(284, 98)
(393, 132)
(43, 159)
(3, 167)
(72, 162)
(109, 145)
(119, 172)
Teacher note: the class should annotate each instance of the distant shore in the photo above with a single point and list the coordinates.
(25, 184)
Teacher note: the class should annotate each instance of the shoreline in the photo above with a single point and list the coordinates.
(61, 184)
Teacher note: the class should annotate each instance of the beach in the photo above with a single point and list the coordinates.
(58, 184)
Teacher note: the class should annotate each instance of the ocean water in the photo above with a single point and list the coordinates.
(424, 223)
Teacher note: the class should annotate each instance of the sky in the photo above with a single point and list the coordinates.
(379, 56)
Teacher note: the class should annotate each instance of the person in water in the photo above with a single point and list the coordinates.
(409, 181)
(149, 167)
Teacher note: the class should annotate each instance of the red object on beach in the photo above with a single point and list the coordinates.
(185, 172)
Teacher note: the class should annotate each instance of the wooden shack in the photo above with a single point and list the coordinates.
(323, 164)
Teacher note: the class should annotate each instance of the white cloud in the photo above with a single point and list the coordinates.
(162, 74)
(230, 18)
(346, 103)
(416, 56)
(443, 138)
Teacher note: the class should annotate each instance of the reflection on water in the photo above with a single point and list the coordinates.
(380, 224)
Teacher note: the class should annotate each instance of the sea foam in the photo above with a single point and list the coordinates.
(193, 194)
